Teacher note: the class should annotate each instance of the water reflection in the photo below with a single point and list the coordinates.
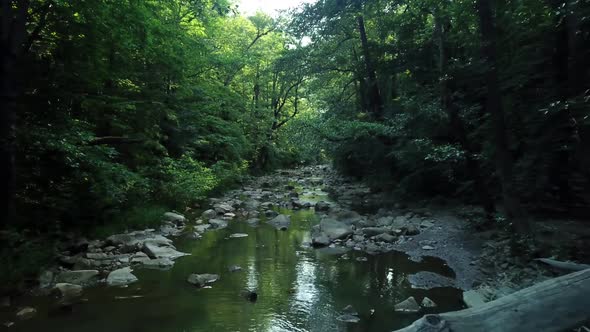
(298, 289)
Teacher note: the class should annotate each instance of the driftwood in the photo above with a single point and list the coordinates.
(553, 305)
(565, 266)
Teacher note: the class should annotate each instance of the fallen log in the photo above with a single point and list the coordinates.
(565, 266)
(553, 305)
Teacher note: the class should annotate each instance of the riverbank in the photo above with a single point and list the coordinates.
(291, 224)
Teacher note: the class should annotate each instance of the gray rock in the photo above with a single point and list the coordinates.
(429, 280)
(320, 240)
(428, 303)
(158, 263)
(176, 218)
(334, 229)
(281, 222)
(202, 228)
(218, 223)
(412, 230)
(209, 214)
(372, 231)
(26, 313)
(270, 213)
(385, 238)
(139, 257)
(427, 248)
(157, 250)
(473, 298)
(408, 306)
(121, 277)
(322, 206)
(46, 279)
(234, 268)
(253, 221)
(223, 208)
(68, 293)
(80, 277)
(201, 280)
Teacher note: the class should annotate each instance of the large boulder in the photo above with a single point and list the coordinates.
(281, 222)
(79, 277)
(201, 280)
(121, 277)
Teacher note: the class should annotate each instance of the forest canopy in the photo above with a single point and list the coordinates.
(114, 111)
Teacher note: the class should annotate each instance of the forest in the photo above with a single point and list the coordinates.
(113, 113)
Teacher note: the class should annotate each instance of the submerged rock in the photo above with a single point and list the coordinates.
(218, 223)
(429, 280)
(238, 235)
(281, 222)
(428, 303)
(121, 277)
(407, 306)
(201, 280)
(26, 313)
(234, 268)
(79, 277)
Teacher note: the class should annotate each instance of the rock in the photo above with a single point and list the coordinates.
(427, 248)
(68, 293)
(234, 268)
(78, 246)
(8, 324)
(139, 257)
(408, 306)
(270, 213)
(428, 280)
(346, 318)
(223, 208)
(362, 259)
(110, 248)
(80, 277)
(121, 277)
(46, 279)
(250, 296)
(176, 218)
(209, 214)
(322, 206)
(334, 229)
(218, 223)
(201, 280)
(97, 256)
(26, 313)
(372, 231)
(385, 238)
(428, 303)
(253, 222)
(158, 263)
(193, 236)
(320, 240)
(229, 216)
(349, 309)
(473, 298)
(412, 230)
(202, 228)
(156, 250)
(281, 222)
(238, 235)
(170, 229)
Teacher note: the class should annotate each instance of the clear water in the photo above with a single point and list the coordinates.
(299, 289)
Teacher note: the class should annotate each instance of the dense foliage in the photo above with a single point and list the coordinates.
(476, 101)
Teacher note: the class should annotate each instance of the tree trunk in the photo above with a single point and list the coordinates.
(456, 125)
(13, 32)
(551, 306)
(375, 100)
(504, 162)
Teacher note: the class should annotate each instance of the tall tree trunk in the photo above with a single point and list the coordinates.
(13, 32)
(375, 100)
(456, 125)
(504, 161)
